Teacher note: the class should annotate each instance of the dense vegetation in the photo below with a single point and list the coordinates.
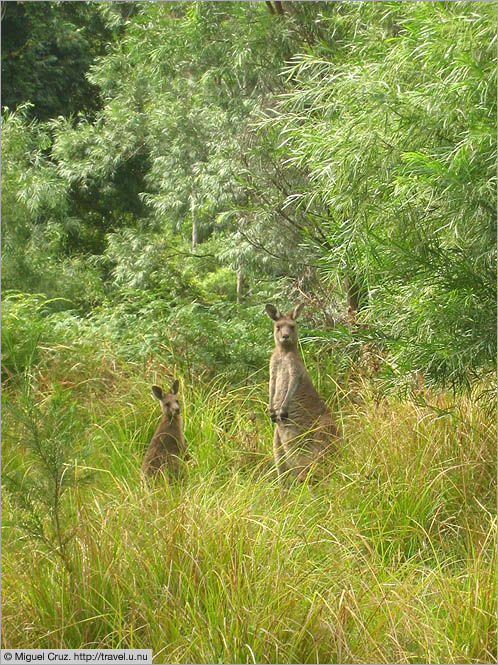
(168, 168)
(339, 153)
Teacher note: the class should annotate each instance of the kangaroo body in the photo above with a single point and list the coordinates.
(305, 430)
(167, 448)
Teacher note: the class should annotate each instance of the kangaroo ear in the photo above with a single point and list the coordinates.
(158, 392)
(175, 386)
(296, 311)
(272, 312)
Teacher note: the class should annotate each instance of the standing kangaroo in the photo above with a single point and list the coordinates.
(167, 447)
(304, 429)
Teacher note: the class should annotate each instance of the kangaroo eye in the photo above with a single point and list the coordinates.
(278, 327)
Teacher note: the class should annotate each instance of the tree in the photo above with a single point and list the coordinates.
(398, 135)
(47, 49)
(338, 152)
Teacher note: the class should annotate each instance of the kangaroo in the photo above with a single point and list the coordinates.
(305, 430)
(167, 447)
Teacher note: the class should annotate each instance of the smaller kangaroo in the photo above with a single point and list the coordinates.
(305, 430)
(167, 447)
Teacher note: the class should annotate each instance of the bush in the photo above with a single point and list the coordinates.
(25, 323)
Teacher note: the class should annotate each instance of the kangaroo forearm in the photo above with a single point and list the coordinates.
(272, 392)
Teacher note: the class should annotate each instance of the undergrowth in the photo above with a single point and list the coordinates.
(389, 558)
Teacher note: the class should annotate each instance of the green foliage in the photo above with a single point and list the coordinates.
(38, 228)
(47, 434)
(222, 338)
(336, 153)
(25, 325)
(221, 283)
(399, 142)
(47, 48)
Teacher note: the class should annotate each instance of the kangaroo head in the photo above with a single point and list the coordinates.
(284, 325)
(169, 401)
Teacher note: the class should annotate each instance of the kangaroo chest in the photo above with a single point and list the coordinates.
(287, 376)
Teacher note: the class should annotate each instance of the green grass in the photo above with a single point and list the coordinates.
(389, 559)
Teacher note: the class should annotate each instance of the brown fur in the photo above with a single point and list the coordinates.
(167, 448)
(305, 430)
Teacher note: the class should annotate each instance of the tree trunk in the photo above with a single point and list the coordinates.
(354, 296)
(278, 7)
(240, 285)
(194, 226)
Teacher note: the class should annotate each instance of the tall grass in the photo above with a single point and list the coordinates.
(390, 558)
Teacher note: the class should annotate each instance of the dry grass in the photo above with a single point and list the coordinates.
(390, 559)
